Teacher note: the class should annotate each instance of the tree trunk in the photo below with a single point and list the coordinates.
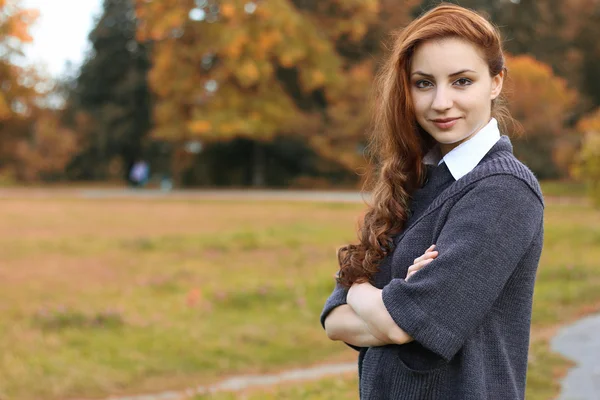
(258, 167)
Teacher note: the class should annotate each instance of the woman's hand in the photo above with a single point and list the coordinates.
(421, 262)
(366, 300)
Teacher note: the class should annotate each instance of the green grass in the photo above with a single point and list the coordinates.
(107, 297)
(563, 188)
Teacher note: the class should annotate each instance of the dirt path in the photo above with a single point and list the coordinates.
(243, 382)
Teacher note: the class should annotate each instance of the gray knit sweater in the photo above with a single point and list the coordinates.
(469, 310)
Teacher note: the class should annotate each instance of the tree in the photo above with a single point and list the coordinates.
(257, 70)
(51, 146)
(586, 42)
(18, 94)
(588, 161)
(112, 88)
(541, 102)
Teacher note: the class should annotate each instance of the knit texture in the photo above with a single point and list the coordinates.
(469, 310)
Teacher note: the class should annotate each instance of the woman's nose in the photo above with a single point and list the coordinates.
(442, 100)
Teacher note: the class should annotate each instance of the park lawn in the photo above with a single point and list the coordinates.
(125, 296)
(568, 287)
(570, 189)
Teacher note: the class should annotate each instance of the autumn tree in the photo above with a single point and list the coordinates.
(18, 94)
(112, 88)
(230, 69)
(587, 165)
(261, 70)
(541, 102)
(47, 151)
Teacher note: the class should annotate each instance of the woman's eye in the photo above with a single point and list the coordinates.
(463, 82)
(423, 84)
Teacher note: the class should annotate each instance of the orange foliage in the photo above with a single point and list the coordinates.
(587, 167)
(49, 150)
(14, 24)
(538, 99)
(218, 80)
(590, 123)
(19, 23)
(275, 69)
(17, 97)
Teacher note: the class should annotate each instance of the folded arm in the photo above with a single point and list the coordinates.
(345, 325)
(366, 300)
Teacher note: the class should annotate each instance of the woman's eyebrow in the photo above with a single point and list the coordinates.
(462, 71)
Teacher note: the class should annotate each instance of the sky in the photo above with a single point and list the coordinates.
(60, 33)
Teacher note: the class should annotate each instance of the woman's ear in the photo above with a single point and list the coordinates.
(497, 82)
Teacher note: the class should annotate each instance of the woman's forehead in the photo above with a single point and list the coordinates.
(447, 56)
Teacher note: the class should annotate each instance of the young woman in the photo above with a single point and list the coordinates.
(437, 294)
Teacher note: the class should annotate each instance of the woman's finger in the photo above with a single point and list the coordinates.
(429, 250)
(419, 265)
(427, 255)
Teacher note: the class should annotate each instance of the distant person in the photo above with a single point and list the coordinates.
(139, 173)
(437, 294)
(166, 183)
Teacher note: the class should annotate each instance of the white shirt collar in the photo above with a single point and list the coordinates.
(463, 158)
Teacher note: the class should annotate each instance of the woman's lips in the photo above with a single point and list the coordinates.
(445, 123)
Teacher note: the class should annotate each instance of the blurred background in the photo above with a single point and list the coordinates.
(123, 276)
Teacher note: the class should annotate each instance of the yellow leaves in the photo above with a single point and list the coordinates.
(51, 149)
(247, 74)
(358, 30)
(229, 128)
(5, 112)
(321, 46)
(291, 56)
(164, 57)
(251, 101)
(590, 123)
(200, 127)
(263, 13)
(20, 23)
(286, 60)
(372, 6)
(166, 24)
(227, 10)
(235, 47)
(318, 78)
(158, 19)
(588, 165)
(362, 72)
(15, 22)
(537, 98)
(312, 79)
(267, 41)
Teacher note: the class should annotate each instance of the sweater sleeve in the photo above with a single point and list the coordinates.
(336, 298)
(486, 234)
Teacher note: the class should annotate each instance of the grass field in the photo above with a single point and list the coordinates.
(123, 296)
(563, 188)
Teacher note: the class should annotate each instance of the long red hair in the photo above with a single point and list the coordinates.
(397, 142)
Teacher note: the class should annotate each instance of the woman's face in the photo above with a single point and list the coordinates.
(452, 90)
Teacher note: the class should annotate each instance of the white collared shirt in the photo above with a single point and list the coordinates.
(463, 158)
